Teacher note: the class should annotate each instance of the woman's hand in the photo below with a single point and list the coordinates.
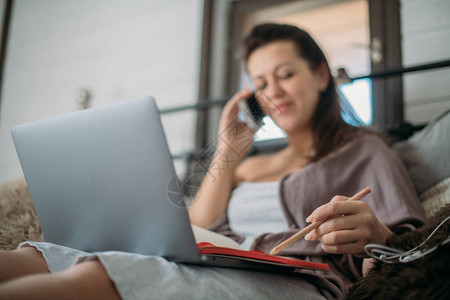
(349, 226)
(234, 138)
(234, 142)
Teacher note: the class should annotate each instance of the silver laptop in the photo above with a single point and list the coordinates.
(100, 179)
(103, 179)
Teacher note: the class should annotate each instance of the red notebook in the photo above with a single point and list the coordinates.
(256, 259)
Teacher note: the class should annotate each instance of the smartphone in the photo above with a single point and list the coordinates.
(251, 113)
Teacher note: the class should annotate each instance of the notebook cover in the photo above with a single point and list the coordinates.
(259, 256)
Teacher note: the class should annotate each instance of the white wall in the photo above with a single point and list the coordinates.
(117, 49)
(425, 26)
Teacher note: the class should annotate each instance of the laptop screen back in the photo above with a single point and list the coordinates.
(99, 180)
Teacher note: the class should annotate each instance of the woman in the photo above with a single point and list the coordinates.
(325, 157)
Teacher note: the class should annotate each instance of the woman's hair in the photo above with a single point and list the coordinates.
(329, 129)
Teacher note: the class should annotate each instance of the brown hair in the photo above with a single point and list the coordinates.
(329, 129)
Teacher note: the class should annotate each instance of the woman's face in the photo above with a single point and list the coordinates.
(287, 89)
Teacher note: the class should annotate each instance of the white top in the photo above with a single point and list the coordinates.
(255, 209)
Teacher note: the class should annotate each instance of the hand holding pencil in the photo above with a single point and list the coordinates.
(348, 234)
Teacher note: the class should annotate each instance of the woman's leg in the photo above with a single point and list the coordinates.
(21, 262)
(87, 280)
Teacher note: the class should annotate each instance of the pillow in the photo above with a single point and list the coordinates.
(426, 155)
(436, 197)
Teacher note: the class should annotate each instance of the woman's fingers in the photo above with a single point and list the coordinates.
(337, 206)
(347, 226)
(231, 105)
(234, 139)
(335, 224)
(346, 241)
(349, 248)
(342, 237)
(230, 110)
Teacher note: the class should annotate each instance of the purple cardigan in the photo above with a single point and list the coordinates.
(363, 162)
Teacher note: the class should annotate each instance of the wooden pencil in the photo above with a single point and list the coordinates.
(311, 226)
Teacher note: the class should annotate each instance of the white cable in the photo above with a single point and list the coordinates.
(391, 255)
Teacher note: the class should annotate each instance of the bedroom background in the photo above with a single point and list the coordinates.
(59, 51)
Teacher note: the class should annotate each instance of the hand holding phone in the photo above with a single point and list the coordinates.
(251, 113)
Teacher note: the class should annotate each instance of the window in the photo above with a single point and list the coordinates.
(359, 95)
